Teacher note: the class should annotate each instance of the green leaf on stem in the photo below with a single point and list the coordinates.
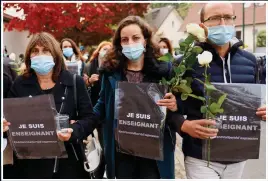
(197, 49)
(173, 80)
(189, 40)
(221, 99)
(184, 88)
(189, 81)
(183, 46)
(220, 111)
(177, 70)
(183, 81)
(203, 109)
(214, 107)
(197, 97)
(199, 80)
(164, 81)
(182, 68)
(184, 96)
(166, 58)
(191, 60)
(210, 87)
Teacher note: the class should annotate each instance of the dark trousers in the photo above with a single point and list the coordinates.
(132, 167)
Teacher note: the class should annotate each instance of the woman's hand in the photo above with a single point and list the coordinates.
(66, 136)
(6, 125)
(169, 101)
(93, 78)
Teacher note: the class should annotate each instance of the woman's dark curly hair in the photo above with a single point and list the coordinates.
(116, 61)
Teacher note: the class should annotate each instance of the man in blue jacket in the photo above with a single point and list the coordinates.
(230, 64)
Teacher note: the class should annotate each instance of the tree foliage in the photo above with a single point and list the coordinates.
(87, 23)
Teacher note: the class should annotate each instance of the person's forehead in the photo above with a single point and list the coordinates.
(66, 43)
(163, 43)
(130, 30)
(218, 9)
(106, 46)
(38, 46)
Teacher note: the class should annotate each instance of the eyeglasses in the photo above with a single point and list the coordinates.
(228, 19)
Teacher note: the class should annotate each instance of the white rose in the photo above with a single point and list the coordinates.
(197, 31)
(205, 58)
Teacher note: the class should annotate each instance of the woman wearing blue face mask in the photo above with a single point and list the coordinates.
(133, 58)
(46, 74)
(72, 54)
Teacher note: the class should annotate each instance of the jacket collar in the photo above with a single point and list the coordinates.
(65, 78)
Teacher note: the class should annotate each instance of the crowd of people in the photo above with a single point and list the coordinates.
(132, 56)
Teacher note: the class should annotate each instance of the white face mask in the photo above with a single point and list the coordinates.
(163, 51)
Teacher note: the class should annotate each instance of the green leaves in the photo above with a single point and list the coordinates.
(183, 81)
(215, 108)
(166, 58)
(163, 81)
(189, 40)
(184, 96)
(183, 46)
(221, 99)
(189, 81)
(203, 109)
(184, 88)
(197, 97)
(210, 87)
(197, 49)
(182, 68)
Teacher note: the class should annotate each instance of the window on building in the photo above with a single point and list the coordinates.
(172, 24)
(238, 35)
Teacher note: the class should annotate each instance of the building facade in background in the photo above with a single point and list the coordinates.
(166, 21)
(260, 22)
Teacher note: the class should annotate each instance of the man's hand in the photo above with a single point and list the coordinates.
(205, 28)
(261, 112)
(197, 128)
(169, 101)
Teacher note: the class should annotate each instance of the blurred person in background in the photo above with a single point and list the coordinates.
(72, 54)
(92, 77)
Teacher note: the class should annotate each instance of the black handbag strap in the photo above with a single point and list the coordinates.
(75, 97)
(75, 94)
(75, 103)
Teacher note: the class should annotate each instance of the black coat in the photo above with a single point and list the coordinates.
(70, 167)
(9, 76)
(92, 68)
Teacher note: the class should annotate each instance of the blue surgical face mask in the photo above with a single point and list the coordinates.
(102, 53)
(68, 52)
(220, 35)
(42, 64)
(134, 51)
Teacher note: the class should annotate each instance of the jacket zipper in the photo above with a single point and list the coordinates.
(55, 165)
(74, 152)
